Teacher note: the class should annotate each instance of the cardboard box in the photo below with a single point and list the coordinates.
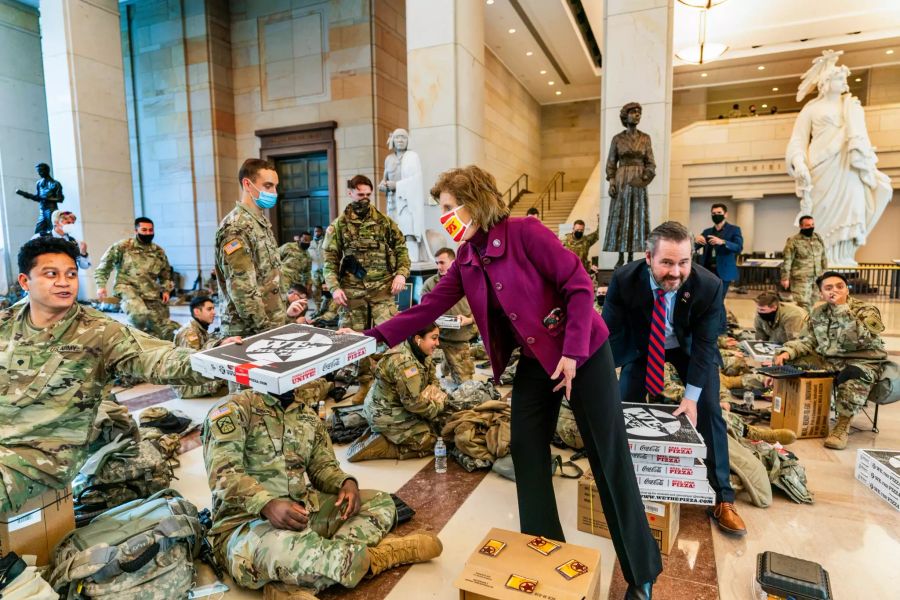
(38, 526)
(664, 517)
(281, 359)
(485, 577)
(803, 407)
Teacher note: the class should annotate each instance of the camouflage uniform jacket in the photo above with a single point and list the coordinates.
(582, 247)
(248, 272)
(463, 334)
(377, 243)
(804, 257)
(256, 451)
(143, 268)
(297, 264)
(400, 380)
(51, 384)
(192, 335)
(844, 331)
(788, 325)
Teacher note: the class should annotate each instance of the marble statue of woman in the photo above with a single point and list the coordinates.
(833, 162)
(405, 192)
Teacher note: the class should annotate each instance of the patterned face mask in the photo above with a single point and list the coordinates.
(454, 226)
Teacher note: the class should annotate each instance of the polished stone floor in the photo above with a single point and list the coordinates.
(850, 531)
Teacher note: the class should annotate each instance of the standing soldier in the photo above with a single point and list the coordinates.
(195, 335)
(581, 244)
(297, 261)
(315, 251)
(143, 280)
(366, 264)
(458, 364)
(804, 261)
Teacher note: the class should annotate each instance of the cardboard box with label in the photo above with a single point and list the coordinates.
(802, 405)
(38, 526)
(507, 565)
(664, 517)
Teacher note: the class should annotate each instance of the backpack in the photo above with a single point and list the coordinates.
(141, 550)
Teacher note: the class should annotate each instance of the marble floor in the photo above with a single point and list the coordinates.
(851, 532)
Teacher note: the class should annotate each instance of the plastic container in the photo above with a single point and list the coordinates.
(440, 456)
(748, 399)
(322, 409)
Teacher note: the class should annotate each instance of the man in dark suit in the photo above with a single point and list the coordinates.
(721, 243)
(663, 309)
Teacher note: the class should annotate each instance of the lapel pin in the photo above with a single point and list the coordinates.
(686, 295)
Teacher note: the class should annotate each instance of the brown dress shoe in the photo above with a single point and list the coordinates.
(727, 519)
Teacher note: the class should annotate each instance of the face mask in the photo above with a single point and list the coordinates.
(808, 231)
(145, 239)
(578, 234)
(265, 199)
(768, 317)
(360, 207)
(68, 228)
(718, 219)
(454, 226)
(304, 245)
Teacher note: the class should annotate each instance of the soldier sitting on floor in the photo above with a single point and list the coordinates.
(776, 322)
(270, 528)
(842, 334)
(404, 402)
(195, 335)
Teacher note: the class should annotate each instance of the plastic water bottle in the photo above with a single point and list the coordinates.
(322, 409)
(440, 456)
(748, 399)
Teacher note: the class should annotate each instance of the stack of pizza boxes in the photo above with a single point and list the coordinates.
(879, 470)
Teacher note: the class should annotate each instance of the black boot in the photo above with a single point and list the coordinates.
(621, 260)
(630, 256)
(639, 592)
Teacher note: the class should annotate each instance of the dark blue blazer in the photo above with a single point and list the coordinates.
(726, 254)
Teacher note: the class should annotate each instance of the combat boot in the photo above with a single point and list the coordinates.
(782, 436)
(837, 439)
(360, 396)
(419, 546)
(277, 590)
(370, 446)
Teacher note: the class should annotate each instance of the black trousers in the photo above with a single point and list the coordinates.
(598, 413)
(710, 423)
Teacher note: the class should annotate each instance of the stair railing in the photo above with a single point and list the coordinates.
(551, 192)
(516, 190)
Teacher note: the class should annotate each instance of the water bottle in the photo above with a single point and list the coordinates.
(748, 399)
(322, 409)
(440, 456)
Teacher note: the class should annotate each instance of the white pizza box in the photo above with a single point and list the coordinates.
(654, 429)
(283, 358)
(674, 484)
(707, 499)
(665, 459)
(883, 492)
(760, 351)
(695, 471)
(878, 481)
(448, 322)
(886, 461)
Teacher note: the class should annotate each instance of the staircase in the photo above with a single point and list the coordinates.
(555, 215)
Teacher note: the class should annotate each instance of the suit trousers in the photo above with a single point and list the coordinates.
(598, 414)
(710, 423)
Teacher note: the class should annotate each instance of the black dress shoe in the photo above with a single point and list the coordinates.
(639, 592)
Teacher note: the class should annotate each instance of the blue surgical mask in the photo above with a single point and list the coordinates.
(265, 199)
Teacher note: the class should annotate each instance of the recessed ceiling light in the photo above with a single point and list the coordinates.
(551, 83)
(888, 51)
(704, 74)
(529, 53)
(559, 92)
(489, 2)
(511, 30)
(761, 68)
(765, 106)
(774, 89)
(543, 71)
(858, 79)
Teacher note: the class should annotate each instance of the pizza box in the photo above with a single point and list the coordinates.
(695, 471)
(708, 499)
(760, 351)
(283, 358)
(653, 429)
(506, 565)
(448, 322)
(665, 459)
(887, 461)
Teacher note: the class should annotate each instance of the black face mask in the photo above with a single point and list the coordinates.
(578, 234)
(286, 399)
(718, 219)
(304, 245)
(145, 238)
(360, 207)
(808, 231)
(768, 317)
(205, 326)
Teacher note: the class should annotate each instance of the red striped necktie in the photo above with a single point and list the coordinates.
(656, 353)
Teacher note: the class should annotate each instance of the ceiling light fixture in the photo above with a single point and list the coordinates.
(543, 71)
(858, 79)
(551, 83)
(765, 106)
(761, 68)
(888, 51)
(704, 74)
(703, 52)
(489, 2)
(529, 53)
(511, 30)
(705, 4)
(775, 89)
(559, 92)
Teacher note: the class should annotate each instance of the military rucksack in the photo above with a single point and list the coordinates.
(141, 550)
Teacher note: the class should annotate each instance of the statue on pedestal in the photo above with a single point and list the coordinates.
(833, 162)
(402, 184)
(629, 170)
(48, 194)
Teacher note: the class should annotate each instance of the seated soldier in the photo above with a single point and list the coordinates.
(842, 334)
(272, 529)
(776, 322)
(403, 402)
(195, 335)
(56, 356)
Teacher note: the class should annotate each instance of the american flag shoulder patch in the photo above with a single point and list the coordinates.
(233, 246)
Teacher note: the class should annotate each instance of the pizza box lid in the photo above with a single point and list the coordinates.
(448, 322)
(283, 358)
(887, 460)
(655, 423)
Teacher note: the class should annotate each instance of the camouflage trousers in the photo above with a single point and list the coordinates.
(327, 552)
(457, 361)
(148, 315)
(412, 435)
(857, 376)
(213, 388)
(16, 489)
(804, 292)
(364, 311)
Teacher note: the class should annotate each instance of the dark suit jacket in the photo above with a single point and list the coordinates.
(698, 318)
(727, 253)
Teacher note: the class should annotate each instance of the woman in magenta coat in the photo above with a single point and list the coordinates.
(526, 290)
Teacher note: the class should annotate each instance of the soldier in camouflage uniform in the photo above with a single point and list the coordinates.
(143, 280)
(195, 335)
(776, 322)
(297, 261)
(804, 262)
(404, 402)
(581, 244)
(269, 525)
(843, 335)
(459, 365)
(56, 356)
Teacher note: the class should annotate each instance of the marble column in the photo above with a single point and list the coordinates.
(445, 74)
(82, 54)
(746, 220)
(637, 67)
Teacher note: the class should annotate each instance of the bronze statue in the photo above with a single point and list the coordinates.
(629, 170)
(48, 195)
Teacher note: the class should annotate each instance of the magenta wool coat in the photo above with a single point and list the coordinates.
(531, 273)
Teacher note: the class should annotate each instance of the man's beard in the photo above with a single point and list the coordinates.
(669, 284)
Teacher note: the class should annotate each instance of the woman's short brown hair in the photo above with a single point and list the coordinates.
(477, 190)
